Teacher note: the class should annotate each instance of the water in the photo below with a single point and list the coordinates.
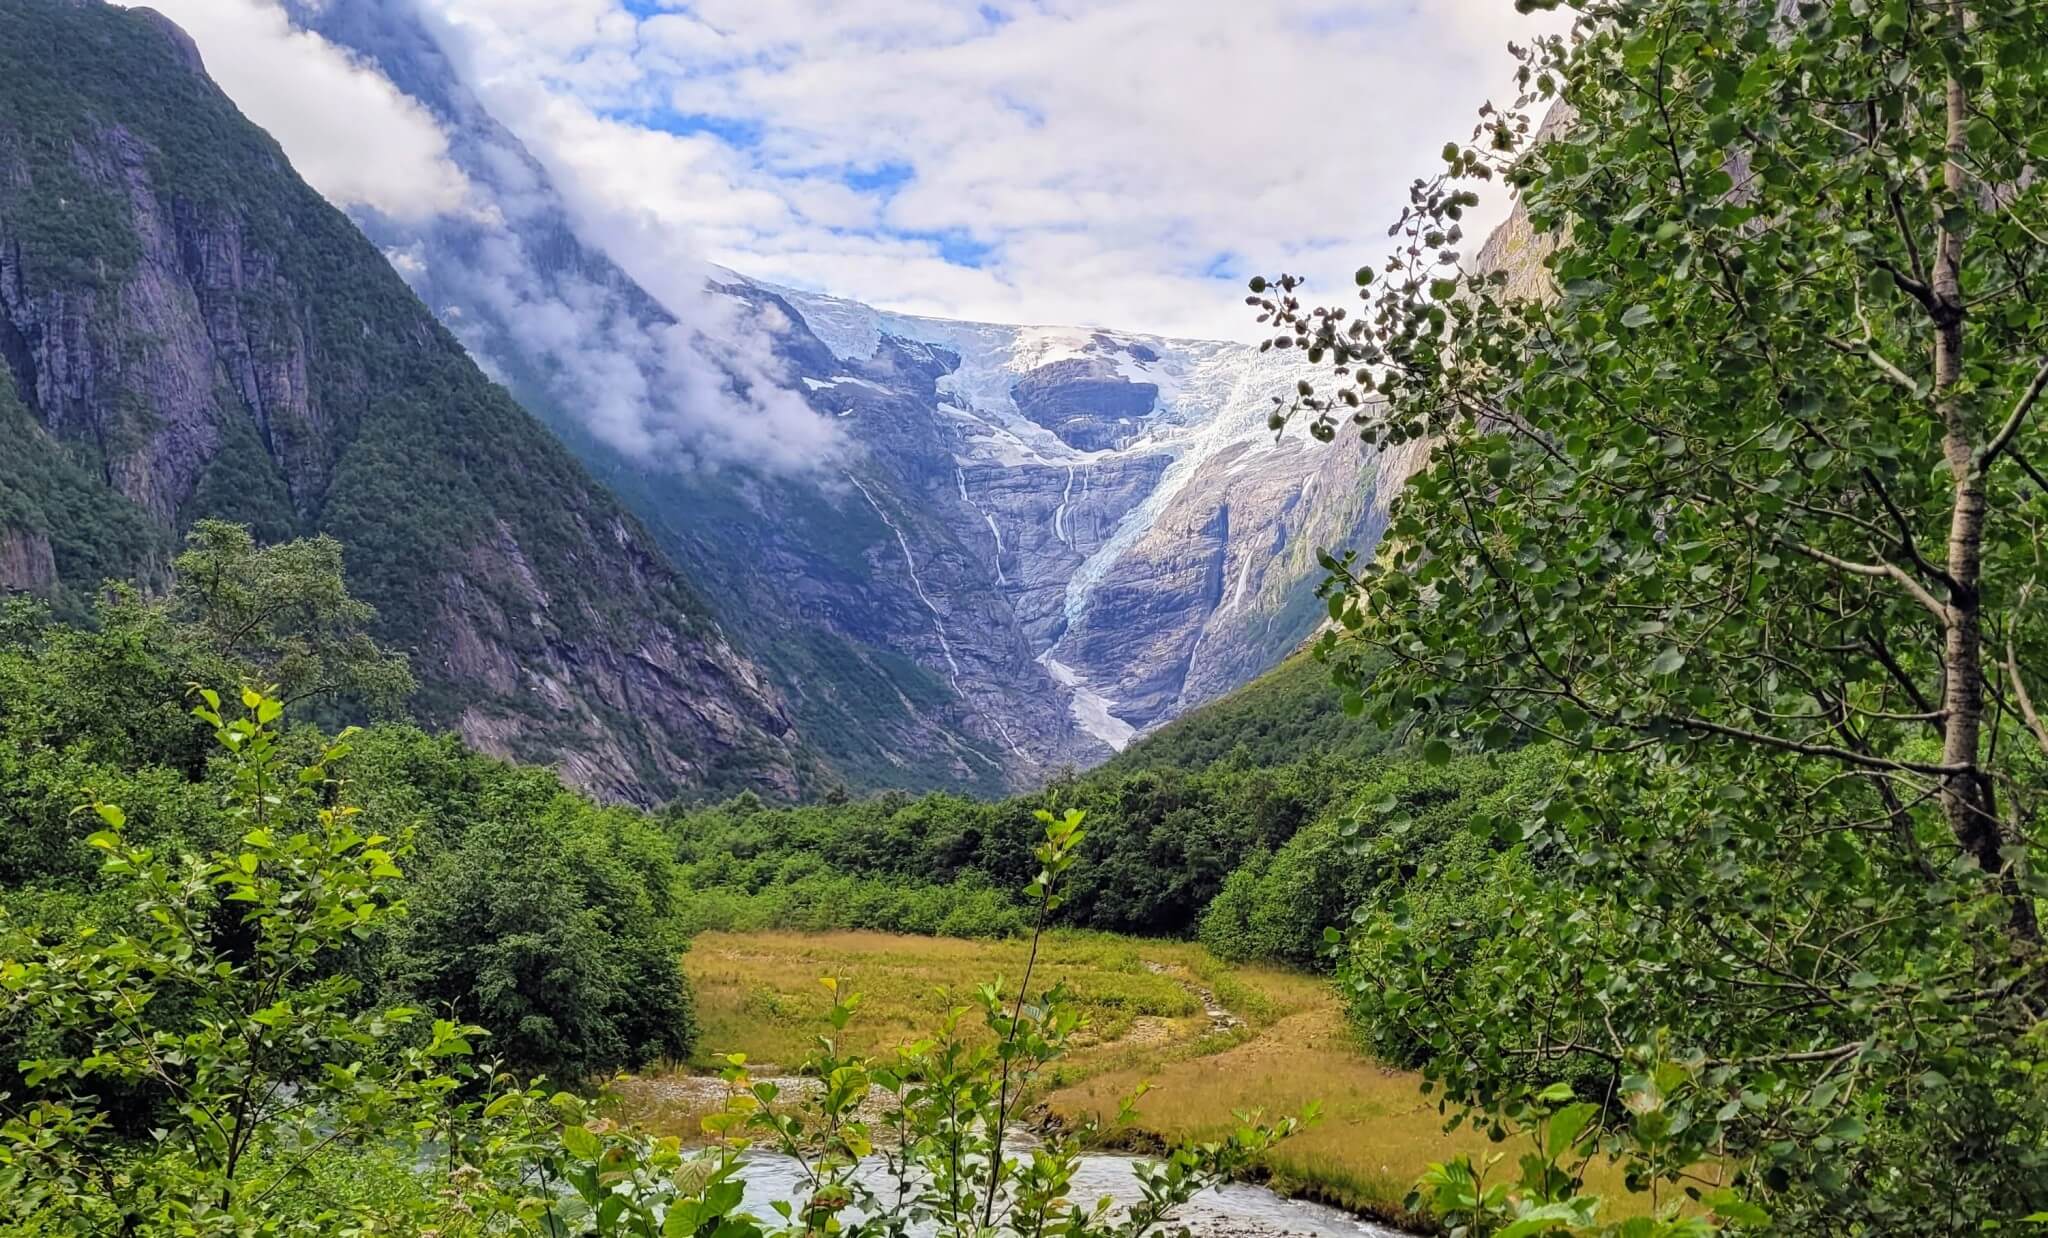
(1235, 1211)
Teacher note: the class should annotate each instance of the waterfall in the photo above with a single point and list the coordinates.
(938, 619)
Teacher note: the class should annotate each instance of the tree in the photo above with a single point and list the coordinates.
(285, 613)
(555, 932)
(1746, 512)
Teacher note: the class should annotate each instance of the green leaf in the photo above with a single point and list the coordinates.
(1668, 662)
(581, 1142)
(1565, 1127)
(1732, 1207)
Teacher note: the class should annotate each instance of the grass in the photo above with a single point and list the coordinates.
(1147, 1000)
(758, 993)
(1378, 1132)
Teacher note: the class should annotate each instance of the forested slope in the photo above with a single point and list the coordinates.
(1292, 711)
(190, 331)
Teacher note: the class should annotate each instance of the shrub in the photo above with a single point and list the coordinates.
(557, 937)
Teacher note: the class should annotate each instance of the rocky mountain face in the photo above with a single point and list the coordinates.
(1029, 545)
(189, 331)
(1118, 499)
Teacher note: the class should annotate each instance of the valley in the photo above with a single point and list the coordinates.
(515, 723)
(965, 555)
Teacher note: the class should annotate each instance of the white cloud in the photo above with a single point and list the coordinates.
(704, 387)
(1100, 159)
(1117, 162)
(349, 132)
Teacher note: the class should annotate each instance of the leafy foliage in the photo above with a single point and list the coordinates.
(223, 1000)
(285, 613)
(233, 1000)
(1410, 836)
(545, 919)
(1745, 516)
(555, 928)
(1168, 840)
(103, 708)
(1543, 1197)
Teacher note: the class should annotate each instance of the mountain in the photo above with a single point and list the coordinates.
(188, 331)
(1029, 545)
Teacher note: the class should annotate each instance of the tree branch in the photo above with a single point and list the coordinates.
(1844, 755)
(2023, 697)
(2007, 432)
(1913, 587)
(1876, 358)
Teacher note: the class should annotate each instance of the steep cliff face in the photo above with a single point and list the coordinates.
(188, 331)
(1037, 542)
(1122, 499)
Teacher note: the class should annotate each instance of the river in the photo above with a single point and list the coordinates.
(1235, 1211)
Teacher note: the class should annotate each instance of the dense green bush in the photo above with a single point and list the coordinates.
(547, 920)
(1167, 839)
(556, 931)
(1406, 830)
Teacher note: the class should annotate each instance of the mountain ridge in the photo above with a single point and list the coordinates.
(193, 332)
(1013, 550)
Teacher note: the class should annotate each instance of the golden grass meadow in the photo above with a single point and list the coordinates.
(1212, 1039)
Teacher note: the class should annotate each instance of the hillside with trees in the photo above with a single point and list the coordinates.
(190, 332)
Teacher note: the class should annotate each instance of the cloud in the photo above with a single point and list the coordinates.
(465, 216)
(1124, 163)
(700, 385)
(349, 132)
(1118, 162)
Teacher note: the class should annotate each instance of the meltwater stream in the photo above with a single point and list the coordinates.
(1226, 1212)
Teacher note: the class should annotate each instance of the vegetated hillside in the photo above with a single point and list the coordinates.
(534, 912)
(1290, 712)
(61, 529)
(190, 331)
